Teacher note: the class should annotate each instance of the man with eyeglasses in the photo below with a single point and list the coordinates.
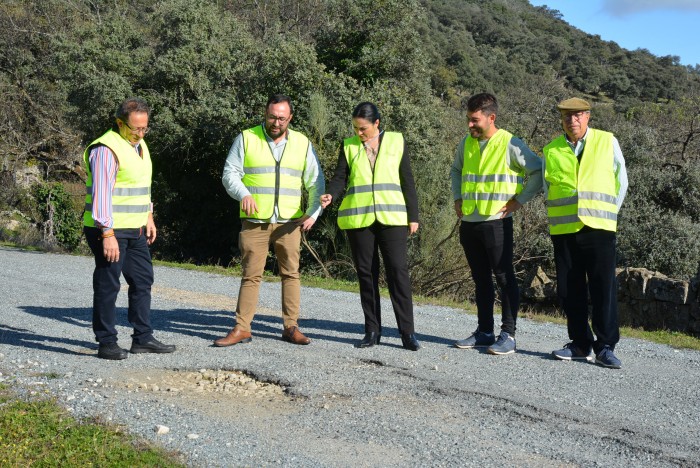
(585, 182)
(119, 227)
(266, 169)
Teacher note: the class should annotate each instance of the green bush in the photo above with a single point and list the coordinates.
(61, 222)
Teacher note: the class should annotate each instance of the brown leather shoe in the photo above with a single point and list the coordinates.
(235, 336)
(294, 335)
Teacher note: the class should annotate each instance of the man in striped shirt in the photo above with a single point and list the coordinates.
(119, 228)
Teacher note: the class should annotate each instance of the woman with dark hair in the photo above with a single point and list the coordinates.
(379, 212)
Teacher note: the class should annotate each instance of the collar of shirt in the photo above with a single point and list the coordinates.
(272, 143)
(578, 147)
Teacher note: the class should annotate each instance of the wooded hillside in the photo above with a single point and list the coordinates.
(207, 68)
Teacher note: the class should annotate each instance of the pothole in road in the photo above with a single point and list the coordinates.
(202, 382)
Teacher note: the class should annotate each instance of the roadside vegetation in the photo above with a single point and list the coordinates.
(38, 432)
(207, 67)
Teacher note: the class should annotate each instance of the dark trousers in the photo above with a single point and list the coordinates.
(585, 264)
(135, 264)
(488, 246)
(365, 244)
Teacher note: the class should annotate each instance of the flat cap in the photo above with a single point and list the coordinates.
(574, 104)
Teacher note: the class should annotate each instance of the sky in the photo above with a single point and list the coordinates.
(663, 27)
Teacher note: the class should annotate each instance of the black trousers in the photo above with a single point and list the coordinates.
(488, 246)
(585, 264)
(136, 266)
(365, 244)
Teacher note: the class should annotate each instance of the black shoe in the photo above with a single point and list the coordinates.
(410, 342)
(151, 346)
(111, 351)
(370, 339)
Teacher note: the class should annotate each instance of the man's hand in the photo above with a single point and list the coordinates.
(150, 230)
(412, 228)
(248, 205)
(325, 199)
(458, 208)
(306, 222)
(512, 206)
(110, 249)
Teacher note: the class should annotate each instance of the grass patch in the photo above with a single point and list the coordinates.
(48, 375)
(13, 245)
(671, 338)
(41, 433)
(216, 269)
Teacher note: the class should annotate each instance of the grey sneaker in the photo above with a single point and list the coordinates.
(571, 352)
(476, 340)
(505, 344)
(606, 358)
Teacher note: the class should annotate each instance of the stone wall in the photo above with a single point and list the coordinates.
(646, 299)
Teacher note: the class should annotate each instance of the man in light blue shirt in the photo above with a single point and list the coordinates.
(265, 170)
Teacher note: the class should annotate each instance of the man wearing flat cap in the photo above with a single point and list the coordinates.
(585, 182)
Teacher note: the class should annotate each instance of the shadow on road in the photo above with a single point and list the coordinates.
(29, 339)
(205, 324)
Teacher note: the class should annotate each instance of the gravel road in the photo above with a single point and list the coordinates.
(329, 404)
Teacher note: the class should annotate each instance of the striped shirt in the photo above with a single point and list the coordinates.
(104, 166)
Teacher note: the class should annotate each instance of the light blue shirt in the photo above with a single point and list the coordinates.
(312, 178)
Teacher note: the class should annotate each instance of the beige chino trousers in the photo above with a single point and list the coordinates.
(254, 242)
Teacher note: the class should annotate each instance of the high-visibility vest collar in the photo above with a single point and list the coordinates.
(131, 197)
(373, 194)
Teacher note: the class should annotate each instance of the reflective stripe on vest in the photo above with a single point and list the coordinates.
(584, 194)
(131, 197)
(274, 183)
(373, 195)
(488, 182)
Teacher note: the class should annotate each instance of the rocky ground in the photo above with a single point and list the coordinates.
(329, 404)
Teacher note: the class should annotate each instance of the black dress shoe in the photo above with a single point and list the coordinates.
(151, 346)
(410, 342)
(111, 351)
(370, 339)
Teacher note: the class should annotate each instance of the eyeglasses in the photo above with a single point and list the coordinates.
(281, 120)
(574, 115)
(143, 130)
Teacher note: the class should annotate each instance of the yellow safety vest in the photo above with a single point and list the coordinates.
(373, 195)
(131, 197)
(584, 194)
(488, 182)
(274, 183)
